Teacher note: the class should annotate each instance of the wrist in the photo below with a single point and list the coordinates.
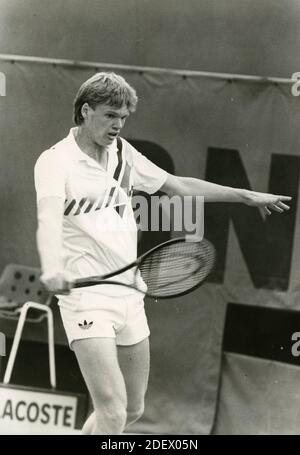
(244, 196)
(51, 273)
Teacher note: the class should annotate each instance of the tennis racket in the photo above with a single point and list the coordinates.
(170, 269)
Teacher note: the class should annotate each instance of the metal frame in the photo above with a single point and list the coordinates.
(142, 69)
(17, 338)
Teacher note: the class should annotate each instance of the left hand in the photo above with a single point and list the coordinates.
(269, 202)
(57, 282)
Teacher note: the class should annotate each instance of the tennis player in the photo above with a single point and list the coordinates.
(84, 185)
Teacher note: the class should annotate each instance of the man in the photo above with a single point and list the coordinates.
(84, 183)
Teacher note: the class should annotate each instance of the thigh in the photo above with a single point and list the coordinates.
(135, 362)
(98, 361)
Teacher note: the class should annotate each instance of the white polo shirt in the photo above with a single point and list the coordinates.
(99, 229)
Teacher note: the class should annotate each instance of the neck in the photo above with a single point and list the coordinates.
(87, 145)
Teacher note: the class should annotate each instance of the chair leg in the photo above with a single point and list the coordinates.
(51, 349)
(15, 345)
(17, 338)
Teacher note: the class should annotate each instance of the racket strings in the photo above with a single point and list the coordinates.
(177, 268)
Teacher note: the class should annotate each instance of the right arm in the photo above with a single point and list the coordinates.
(49, 243)
(49, 179)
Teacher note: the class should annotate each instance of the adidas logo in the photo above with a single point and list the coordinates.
(85, 325)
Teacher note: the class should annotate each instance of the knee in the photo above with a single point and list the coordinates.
(113, 412)
(117, 416)
(134, 414)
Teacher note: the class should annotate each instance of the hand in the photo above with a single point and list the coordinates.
(269, 202)
(57, 282)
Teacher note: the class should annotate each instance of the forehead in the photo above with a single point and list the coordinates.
(106, 108)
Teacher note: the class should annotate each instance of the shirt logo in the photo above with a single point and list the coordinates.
(84, 205)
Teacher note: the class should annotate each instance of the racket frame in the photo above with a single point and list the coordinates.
(104, 279)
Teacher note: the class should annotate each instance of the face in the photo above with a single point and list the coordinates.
(104, 123)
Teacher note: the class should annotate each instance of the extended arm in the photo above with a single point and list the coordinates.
(212, 192)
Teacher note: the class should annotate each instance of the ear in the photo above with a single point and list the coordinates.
(85, 108)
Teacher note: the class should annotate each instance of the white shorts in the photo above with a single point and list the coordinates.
(121, 318)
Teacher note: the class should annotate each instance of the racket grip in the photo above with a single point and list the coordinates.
(83, 283)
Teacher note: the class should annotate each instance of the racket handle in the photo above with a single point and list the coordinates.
(83, 283)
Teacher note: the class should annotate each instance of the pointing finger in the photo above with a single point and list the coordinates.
(283, 206)
(267, 211)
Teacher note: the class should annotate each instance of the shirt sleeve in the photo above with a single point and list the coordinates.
(49, 176)
(147, 176)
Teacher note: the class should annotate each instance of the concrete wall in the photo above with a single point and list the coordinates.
(238, 36)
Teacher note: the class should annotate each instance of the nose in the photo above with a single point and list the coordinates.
(118, 123)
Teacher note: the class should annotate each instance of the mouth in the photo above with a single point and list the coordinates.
(112, 135)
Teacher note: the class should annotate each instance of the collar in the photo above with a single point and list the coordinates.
(78, 155)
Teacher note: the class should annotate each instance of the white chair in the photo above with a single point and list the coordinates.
(21, 291)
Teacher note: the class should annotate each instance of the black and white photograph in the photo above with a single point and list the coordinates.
(149, 221)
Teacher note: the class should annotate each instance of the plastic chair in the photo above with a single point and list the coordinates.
(20, 291)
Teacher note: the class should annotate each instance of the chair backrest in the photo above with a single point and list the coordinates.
(20, 283)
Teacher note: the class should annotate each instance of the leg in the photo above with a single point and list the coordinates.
(134, 362)
(89, 425)
(98, 361)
